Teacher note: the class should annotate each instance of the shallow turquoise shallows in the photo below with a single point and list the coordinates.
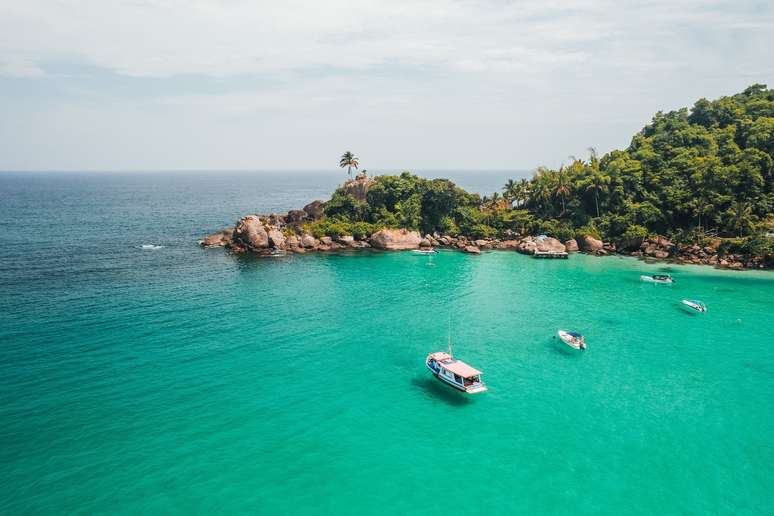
(178, 380)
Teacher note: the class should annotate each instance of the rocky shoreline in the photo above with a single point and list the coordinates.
(279, 234)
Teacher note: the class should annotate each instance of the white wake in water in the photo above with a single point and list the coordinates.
(151, 247)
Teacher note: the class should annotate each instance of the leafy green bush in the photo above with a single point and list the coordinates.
(337, 227)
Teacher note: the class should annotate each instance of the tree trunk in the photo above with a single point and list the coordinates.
(596, 201)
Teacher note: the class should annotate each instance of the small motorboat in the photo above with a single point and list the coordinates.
(695, 305)
(664, 279)
(573, 339)
(455, 373)
(428, 250)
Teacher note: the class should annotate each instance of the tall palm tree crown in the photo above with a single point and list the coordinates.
(349, 161)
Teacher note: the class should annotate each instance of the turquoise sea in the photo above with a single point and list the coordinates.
(178, 380)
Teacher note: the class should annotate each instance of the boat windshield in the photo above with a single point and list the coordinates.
(472, 380)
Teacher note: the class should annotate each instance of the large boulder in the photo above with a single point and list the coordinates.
(346, 240)
(395, 239)
(315, 210)
(250, 233)
(527, 246)
(472, 249)
(358, 187)
(591, 244)
(508, 244)
(295, 216)
(309, 242)
(571, 245)
(550, 245)
(276, 239)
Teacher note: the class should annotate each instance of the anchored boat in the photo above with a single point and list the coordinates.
(695, 305)
(424, 251)
(572, 339)
(664, 279)
(455, 372)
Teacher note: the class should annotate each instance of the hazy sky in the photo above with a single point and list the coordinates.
(232, 84)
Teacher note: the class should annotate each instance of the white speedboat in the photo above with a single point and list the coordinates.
(664, 279)
(572, 339)
(455, 373)
(695, 305)
(425, 251)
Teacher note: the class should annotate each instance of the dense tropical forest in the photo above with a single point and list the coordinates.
(690, 174)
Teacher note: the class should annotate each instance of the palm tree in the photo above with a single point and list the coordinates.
(348, 160)
(495, 200)
(597, 183)
(562, 188)
(741, 216)
(524, 191)
(511, 190)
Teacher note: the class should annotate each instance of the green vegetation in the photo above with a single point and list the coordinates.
(707, 170)
(689, 174)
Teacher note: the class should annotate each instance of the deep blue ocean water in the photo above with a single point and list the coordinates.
(182, 380)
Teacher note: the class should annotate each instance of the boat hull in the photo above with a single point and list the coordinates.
(651, 279)
(569, 340)
(693, 307)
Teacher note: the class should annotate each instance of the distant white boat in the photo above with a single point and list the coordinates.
(572, 339)
(151, 247)
(424, 251)
(663, 279)
(695, 305)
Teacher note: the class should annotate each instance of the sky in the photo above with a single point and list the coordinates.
(233, 84)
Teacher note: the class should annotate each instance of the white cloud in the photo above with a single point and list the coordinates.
(461, 77)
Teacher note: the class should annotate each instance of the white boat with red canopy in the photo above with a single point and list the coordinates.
(455, 372)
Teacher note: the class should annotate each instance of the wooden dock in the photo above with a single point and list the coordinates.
(551, 254)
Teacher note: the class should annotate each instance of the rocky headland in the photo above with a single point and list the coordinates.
(279, 234)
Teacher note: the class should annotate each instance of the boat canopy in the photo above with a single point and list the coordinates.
(460, 368)
(440, 355)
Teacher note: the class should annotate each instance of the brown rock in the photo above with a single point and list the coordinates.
(326, 240)
(508, 244)
(218, 239)
(309, 242)
(358, 187)
(571, 245)
(276, 239)
(661, 255)
(591, 244)
(472, 249)
(550, 244)
(295, 216)
(395, 239)
(250, 232)
(425, 242)
(346, 240)
(315, 210)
